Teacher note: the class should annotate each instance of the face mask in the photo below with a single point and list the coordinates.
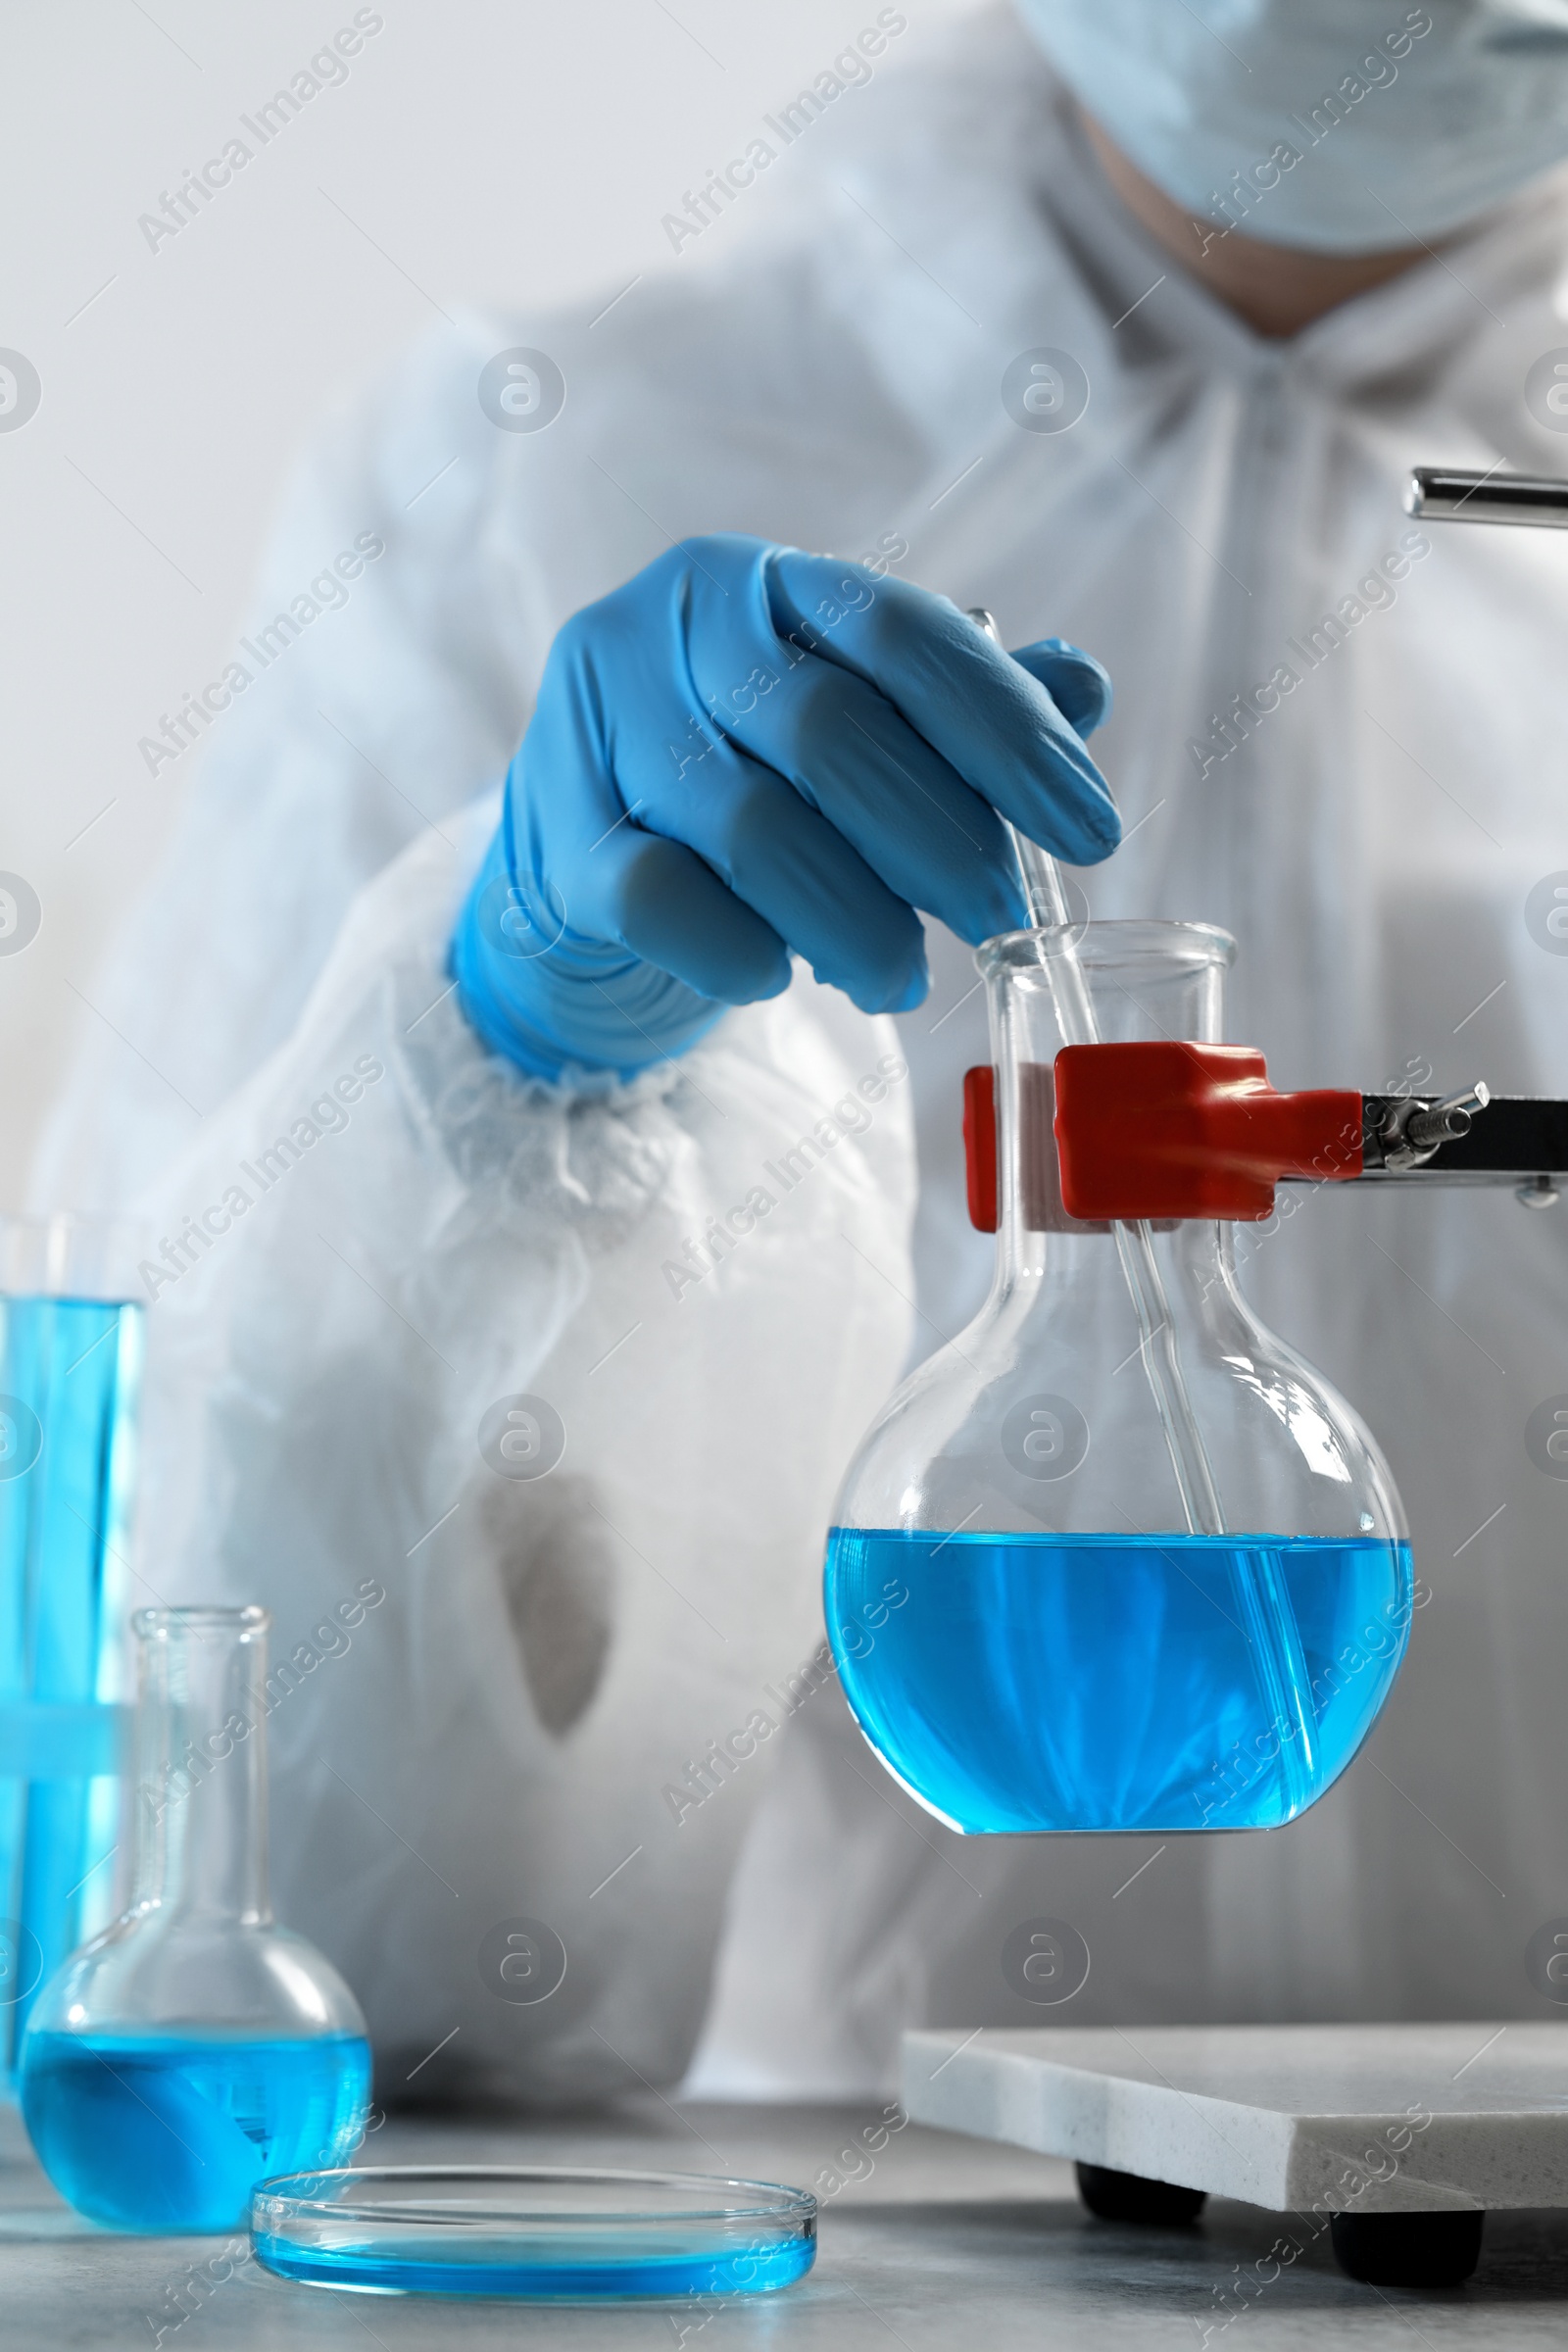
(1345, 126)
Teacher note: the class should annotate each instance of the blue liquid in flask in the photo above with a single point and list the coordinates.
(173, 2131)
(1019, 1683)
(69, 1380)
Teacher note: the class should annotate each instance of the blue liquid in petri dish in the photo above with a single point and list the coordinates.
(173, 2132)
(69, 1379)
(1045, 1681)
(579, 2267)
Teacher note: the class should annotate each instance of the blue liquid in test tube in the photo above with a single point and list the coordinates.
(70, 1373)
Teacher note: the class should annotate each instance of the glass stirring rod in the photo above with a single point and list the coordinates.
(1046, 896)
(1261, 1592)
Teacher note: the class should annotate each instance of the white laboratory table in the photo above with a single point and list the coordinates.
(933, 2239)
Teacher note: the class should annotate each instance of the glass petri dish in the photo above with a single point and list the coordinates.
(534, 2235)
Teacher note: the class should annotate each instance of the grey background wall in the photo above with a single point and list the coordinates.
(471, 151)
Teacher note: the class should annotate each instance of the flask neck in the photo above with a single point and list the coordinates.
(1120, 982)
(201, 1764)
(1035, 1261)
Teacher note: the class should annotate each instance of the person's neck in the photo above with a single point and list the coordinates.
(1278, 289)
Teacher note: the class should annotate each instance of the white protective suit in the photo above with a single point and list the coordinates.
(552, 1656)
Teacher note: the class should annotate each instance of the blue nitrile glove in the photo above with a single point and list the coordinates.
(747, 750)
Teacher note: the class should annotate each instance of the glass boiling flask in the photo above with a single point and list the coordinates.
(1115, 1557)
(194, 2048)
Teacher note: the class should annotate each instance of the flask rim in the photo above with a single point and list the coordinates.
(1103, 946)
(201, 1617)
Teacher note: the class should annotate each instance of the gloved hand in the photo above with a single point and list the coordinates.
(747, 750)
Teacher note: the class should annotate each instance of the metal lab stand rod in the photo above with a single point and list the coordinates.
(1439, 494)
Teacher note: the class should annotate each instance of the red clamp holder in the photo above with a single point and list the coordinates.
(980, 1145)
(1039, 1184)
(1162, 1129)
(1154, 1132)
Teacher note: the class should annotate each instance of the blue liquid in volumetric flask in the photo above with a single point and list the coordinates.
(580, 2265)
(1048, 1682)
(69, 1376)
(173, 2132)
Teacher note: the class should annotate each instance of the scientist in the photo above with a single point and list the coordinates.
(542, 1246)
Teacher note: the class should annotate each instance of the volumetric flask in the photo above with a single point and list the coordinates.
(1035, 1626)
(195, 2047)
(70, 1348)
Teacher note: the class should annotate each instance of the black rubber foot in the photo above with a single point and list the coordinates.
(1129, 2197)
(1407, 2249)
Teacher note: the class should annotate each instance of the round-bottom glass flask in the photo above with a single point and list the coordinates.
(1097, 1569)
(194, 2048)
